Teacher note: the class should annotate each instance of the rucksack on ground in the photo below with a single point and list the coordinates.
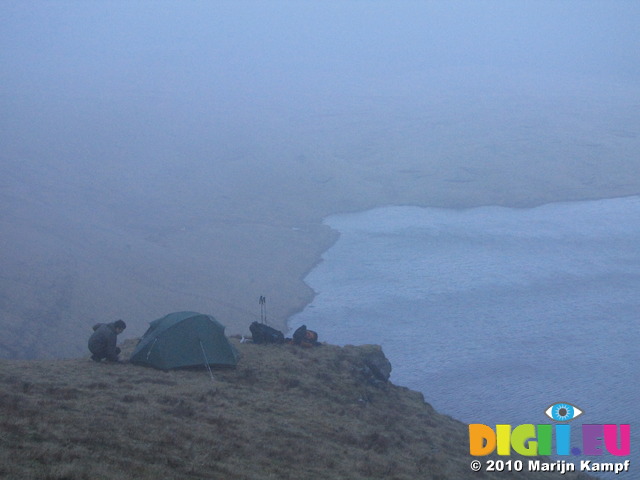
(262, 333)
(305, 337)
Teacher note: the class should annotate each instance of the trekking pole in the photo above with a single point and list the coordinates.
(264, 305)
(263, 309)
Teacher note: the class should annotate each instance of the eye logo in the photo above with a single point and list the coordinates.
(563, 412)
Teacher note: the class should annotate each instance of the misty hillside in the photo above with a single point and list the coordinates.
(83, 244)
(157, 156)
(75, 252)
(284, 413)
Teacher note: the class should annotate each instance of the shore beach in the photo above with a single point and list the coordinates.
(215, 231)
(457, 150)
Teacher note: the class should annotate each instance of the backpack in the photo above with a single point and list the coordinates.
(305, 337)
(262, 333)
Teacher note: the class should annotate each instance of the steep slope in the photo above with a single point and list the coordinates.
(283, 413)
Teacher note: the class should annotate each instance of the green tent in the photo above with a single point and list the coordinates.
(184, 339)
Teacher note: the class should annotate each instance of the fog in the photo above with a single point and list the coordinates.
(161, 156)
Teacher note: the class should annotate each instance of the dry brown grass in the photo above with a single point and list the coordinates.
(283, 413)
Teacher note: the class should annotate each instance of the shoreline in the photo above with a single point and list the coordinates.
(319, 260)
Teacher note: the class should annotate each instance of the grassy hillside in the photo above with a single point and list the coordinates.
(283, 413)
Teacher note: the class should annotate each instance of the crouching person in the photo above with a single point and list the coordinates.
(102, 343)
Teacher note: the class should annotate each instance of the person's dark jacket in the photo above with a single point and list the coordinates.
(102, 342)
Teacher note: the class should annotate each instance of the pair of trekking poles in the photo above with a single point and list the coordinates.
(263, 309)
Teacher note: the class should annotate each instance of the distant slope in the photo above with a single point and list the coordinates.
(283, 413)
(102, 219)
(75, 253)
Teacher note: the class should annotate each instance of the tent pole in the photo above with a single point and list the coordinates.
(153, 345)
(206, 362)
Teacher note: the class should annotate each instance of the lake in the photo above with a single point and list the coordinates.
(494, 313)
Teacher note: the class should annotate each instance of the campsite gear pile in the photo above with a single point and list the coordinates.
(264, 334)
(184, 339)
(305, 337)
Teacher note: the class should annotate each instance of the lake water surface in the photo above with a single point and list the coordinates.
(494, 313)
